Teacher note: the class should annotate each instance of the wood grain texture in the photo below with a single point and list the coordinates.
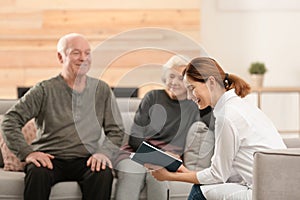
(32, 29)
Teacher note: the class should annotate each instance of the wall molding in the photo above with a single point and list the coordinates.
(258, 5)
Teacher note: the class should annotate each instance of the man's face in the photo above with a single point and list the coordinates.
(77, 58)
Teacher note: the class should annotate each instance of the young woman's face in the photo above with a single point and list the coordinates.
(198, 92)
(174, 83)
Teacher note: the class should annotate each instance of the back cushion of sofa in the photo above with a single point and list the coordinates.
(6, 104)
(199, 147)
(127, 121)
(128, 104)
(128, 107)
(292, 142)
(11, 162)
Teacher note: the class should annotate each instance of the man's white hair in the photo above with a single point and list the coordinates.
(62, 43)
(174, 61)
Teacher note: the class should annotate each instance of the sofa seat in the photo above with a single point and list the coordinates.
(179, 190)
(12, 186)
(12, 183)
(275, 172)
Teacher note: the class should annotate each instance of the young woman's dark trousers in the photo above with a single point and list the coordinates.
(196, 193)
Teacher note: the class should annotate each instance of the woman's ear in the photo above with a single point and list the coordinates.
(211, 82)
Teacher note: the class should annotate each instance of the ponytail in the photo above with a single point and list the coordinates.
(242, 88)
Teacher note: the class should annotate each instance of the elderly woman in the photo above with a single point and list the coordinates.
(163, 119)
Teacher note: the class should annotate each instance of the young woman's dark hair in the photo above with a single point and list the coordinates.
(201, 68)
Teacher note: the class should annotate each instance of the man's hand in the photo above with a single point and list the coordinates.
(98, 161)
(40, 159)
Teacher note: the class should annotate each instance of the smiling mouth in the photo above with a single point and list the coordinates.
(84, 64)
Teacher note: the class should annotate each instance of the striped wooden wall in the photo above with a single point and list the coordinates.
(30, 30)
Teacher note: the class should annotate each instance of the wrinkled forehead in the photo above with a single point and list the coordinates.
(177, 69)
(79, 43)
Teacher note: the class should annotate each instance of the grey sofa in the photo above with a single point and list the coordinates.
(276, 172)
(11, 183)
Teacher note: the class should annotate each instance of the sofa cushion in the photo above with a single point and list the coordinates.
(179, 190)
(199, 147)
(128, 105)
(11, 162)
(6, 104)
(12, 186)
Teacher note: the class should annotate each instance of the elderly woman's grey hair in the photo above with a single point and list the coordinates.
(174, 61)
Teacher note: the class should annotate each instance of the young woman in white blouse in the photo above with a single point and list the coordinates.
(240, 130)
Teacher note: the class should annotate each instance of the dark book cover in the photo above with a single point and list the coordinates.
(146, 153)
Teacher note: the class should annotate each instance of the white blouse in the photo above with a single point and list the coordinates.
(240, 130)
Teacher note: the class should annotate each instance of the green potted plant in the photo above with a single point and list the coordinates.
(257, 71)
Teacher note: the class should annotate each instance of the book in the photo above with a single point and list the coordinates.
(147, 153)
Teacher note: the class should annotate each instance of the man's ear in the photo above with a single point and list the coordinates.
(60, 57)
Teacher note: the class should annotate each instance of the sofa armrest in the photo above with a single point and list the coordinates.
(292, 142)
(276, 174)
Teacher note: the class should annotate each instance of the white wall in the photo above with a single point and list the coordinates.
(237, 35)
(238, 32)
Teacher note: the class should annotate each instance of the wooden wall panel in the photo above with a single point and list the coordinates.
(28, 58)
(104, 4)
(121, 19)
(11, 77)
(33, 75)
(32, 28)
(8, 3)
(19, 20)
(8, 92)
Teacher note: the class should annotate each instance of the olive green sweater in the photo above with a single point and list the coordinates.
(69, 123)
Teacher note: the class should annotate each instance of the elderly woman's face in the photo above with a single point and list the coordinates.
(174, 83)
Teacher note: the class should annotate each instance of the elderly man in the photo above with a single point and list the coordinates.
(70, 111)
